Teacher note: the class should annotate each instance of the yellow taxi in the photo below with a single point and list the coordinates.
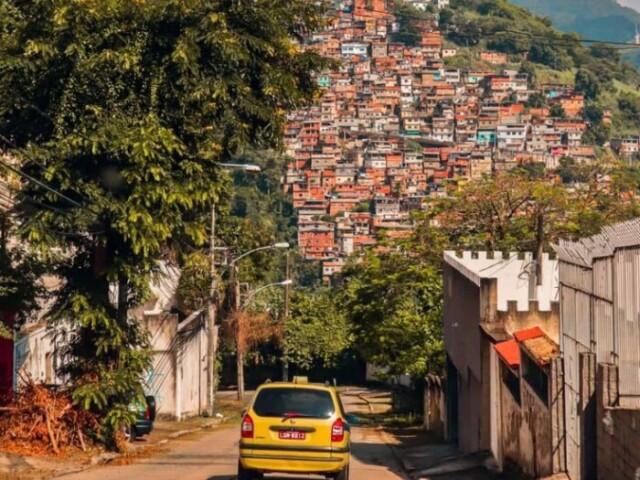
(295, 427)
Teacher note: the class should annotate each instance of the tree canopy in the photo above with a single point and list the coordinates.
(119, 113)
(317, 330)
(394, 302)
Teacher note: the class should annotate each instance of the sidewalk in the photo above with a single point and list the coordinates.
(421, 455)
(21, 467)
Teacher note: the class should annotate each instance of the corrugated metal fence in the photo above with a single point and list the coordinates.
(600, 313)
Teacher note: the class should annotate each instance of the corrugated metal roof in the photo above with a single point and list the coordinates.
(509, 351)
(527, 334)
(582, 252)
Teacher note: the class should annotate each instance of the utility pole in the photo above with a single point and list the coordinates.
(287, 296)
(212, 329)
(239, 347)
(237, 310)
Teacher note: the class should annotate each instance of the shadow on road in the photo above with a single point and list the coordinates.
(234, 477)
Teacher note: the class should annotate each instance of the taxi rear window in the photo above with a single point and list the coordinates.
(294, 402)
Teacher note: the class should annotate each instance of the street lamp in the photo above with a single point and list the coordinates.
(273, 246)
(252, 295)
(212, 331)
(236, 308)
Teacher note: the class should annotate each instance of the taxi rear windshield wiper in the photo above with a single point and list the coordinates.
(289, 415)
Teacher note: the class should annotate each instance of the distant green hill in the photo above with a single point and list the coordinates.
(595, 19)
(533, 46)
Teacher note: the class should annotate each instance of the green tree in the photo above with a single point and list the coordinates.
(394, 303)
(536, 100)
(572, 172)
(195, 282)
(126, 109)
(317, 330)
(593, 112)
(530, 70)
(557, 111)
(21, 286)
(410, 20)
(629, 105)
(597, 134)
(587, 83)
(514, 213)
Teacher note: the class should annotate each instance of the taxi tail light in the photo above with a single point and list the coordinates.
(337, 431)
(247, 427)
(147, 414)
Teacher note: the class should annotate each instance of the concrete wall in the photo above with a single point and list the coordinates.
(38, 355)
(192, 367)
(161, 380)
(618, 430)
(462, 342)
(529, 442)
(548, 320)
(178, 376)
(514, 276)
(486, 299)
(434, 405)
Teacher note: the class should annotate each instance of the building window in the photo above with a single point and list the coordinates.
(511, 380)
(536, 377)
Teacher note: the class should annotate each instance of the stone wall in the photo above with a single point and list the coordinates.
(618, 430)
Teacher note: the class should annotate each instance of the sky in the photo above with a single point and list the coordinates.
(635, 4)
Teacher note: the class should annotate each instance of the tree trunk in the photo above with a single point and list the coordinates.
(212, 332)
(239, 326)
(123, 295)
(539, 246)
(287, 295)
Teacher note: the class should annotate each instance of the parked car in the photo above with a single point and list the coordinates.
(295, 427)
(145, 417)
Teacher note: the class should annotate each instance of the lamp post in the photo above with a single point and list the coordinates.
(236, 309)
(212, 330)
(251, 296)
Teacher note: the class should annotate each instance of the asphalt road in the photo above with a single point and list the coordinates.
(214, 456)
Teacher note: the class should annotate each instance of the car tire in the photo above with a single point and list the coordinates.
(244, 474)
(343, 474)
(129, 433)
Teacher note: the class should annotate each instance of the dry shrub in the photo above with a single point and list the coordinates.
(39, 421)
(255, 329)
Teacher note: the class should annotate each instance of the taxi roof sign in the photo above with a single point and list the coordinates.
(300, 379)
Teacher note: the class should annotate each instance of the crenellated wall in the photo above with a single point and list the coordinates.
(515, 319)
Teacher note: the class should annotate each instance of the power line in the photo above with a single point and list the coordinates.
(558, 41)
(37, 162)
(41, 184)
(581, 40)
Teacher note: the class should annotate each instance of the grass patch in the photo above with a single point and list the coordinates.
(389, 419)
(549, 75)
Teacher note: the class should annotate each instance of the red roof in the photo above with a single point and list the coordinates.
(527, 334)
(509, 351)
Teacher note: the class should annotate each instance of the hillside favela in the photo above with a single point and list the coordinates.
(347, 239)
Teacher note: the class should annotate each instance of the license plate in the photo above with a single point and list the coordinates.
(291, 435)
